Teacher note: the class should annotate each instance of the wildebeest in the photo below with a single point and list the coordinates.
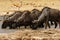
(24, 20)
(35, 13)
(49, 14)
(53, 15)
(10, 21)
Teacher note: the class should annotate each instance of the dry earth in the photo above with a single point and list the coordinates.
(28, 34)
(14, 5)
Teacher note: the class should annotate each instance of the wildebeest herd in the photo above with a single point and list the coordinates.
(35, 18)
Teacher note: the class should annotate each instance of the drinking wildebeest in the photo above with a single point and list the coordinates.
(10, 21)
(35, 13)
(48, 14)
(24, 20)
(53, 15)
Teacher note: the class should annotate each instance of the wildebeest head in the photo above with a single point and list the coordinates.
(35, 13)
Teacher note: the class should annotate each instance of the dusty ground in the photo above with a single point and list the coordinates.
(14, 5)
(28, 34)
(11, 5)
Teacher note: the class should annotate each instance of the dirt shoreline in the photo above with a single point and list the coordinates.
(48, 34)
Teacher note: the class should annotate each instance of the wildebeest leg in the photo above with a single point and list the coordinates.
(4, 25)
(55, 24)
(30, 26)
(25, 27)
(42, 25)
(18, 27)
(47, 24)
(59, 24)
(51, 22)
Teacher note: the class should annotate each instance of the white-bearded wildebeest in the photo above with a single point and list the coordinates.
(35, 13)
(48, 14)
(24, 20)
(10, 20)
